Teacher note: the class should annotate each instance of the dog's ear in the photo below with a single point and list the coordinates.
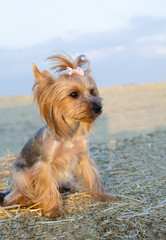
(36, 71)
(49, 102)
(39, 75)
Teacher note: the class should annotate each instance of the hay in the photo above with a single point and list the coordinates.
(135, 171)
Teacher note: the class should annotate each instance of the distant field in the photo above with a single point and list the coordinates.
(128, 111)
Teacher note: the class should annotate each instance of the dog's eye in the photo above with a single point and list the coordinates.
(74, 95)
(92, 92)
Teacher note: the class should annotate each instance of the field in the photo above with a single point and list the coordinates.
(129, 149)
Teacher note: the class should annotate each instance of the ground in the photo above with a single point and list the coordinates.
(134, 169)
(129, 149)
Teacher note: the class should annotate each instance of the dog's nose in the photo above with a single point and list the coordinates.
(97, 108)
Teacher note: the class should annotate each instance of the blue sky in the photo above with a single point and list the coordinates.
(124, 40)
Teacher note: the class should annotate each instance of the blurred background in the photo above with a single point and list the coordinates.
(124, 40)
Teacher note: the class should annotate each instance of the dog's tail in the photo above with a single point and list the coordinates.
(2, 196)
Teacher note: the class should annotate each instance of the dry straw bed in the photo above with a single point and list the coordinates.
(134, 169)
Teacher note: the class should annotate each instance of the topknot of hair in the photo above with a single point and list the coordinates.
(61, 62)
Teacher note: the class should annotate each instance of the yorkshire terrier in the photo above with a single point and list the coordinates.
(58, 153)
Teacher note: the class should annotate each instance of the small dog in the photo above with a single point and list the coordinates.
(58, 153)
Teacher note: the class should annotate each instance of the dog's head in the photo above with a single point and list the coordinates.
(69, 100)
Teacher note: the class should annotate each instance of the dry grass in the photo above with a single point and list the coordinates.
(133, 169)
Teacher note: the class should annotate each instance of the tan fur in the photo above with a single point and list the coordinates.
(52, 156)
(62, 62)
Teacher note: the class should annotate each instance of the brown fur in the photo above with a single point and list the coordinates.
(59, 150)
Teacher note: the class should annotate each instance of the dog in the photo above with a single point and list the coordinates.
(57, 154)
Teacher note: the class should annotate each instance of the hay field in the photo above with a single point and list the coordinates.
(130, 150)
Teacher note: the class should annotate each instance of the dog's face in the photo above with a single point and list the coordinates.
(78, 99)
(66, 101)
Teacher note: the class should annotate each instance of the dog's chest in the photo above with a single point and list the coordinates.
(67, 153)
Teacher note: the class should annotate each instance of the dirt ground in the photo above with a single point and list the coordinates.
(129, 147)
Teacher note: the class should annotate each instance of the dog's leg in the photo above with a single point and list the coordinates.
(52, 202)
(87, 170)
(14, 197)
(20, 192)
(46, 191)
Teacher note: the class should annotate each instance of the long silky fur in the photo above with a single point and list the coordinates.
(49, 90)
(59, 149)
(61, 62)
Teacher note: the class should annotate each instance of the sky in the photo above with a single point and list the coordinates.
(124, 40)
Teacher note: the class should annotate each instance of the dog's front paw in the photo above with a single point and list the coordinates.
(56, 211)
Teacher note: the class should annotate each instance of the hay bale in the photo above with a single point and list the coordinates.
(134, 169)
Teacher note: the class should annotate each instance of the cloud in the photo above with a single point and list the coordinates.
(133, 55)
(103, 53)
(28, 23)
(161, 50)
(152, 51)
(151, 39)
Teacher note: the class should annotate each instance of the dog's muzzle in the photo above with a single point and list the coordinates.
(97, 108)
